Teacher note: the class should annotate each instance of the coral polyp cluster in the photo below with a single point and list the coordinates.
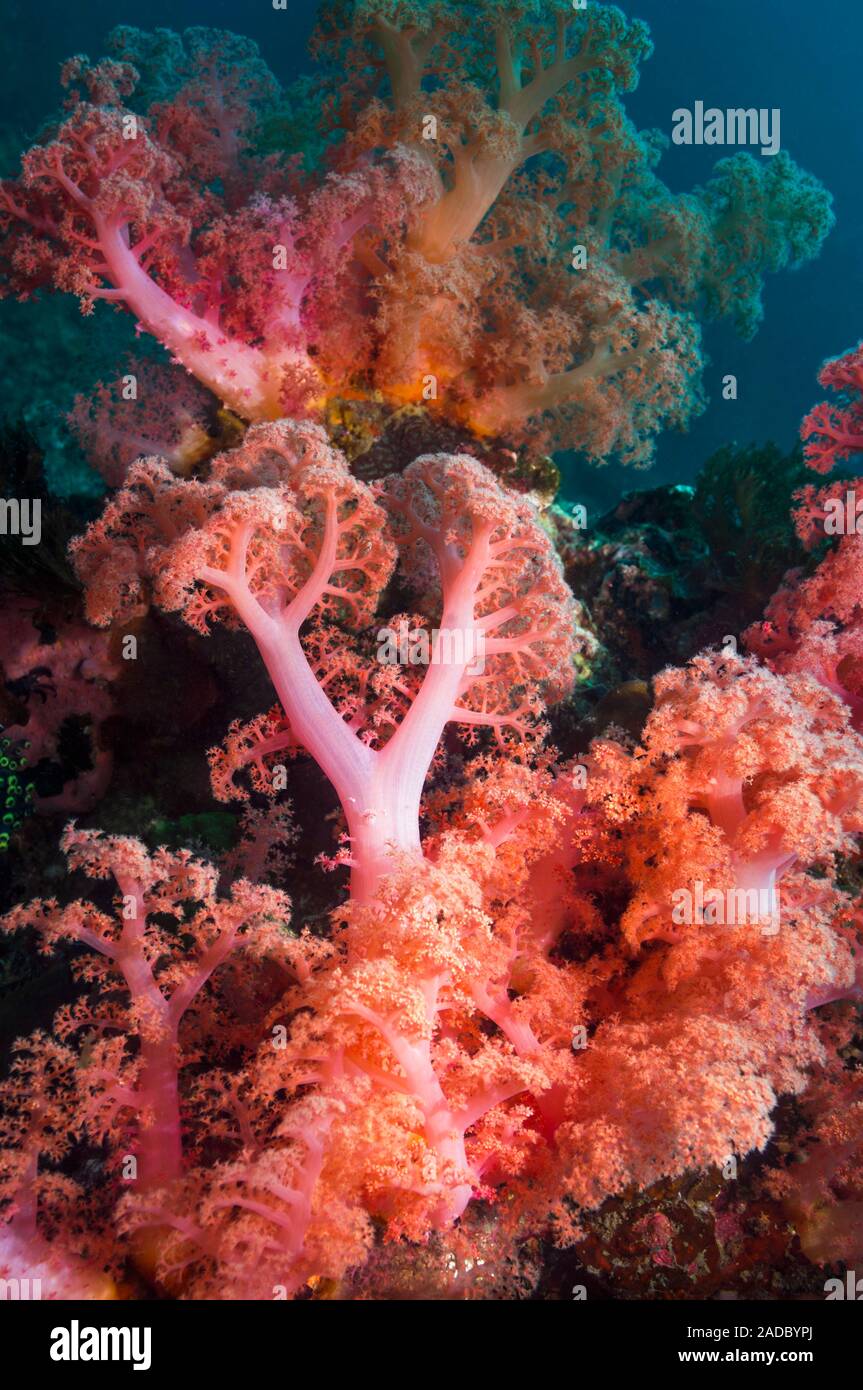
(489, 235)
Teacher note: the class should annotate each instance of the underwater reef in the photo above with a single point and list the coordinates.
(409, 890)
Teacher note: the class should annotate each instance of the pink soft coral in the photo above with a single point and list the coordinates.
(40, 1120)
(281, 534)
(59, 678)
(814, 623)
(150, 410)
(766, 775)
(118, 199)
(490, 236)
(144, 953)
(832, 433)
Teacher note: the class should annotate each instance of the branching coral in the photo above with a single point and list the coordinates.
(815, 622)
(435, 1051)
(162, 956)
(766, 777)
(490, 238)
(127, 212)
(548, 981)
(151, 410)
(39, 1121)
(835, 432)
(140, 1020)
(59, 685)
(282, 534)
(722, 999)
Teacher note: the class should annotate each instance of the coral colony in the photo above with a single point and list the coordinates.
(558, 962)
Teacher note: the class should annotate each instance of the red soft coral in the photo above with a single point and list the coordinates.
(832, 433)
(814, 623)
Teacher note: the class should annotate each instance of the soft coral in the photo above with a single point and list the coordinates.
(166, 904)
(119, 207)
(434, 263)
(815, 622)
(280, 533)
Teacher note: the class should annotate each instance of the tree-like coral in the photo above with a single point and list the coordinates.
(281, 534)
(815, 621)
(742, 942)
(489, 237)
(766, 776)
(548, 982)
(164, 955)
(127, 212)
(39, 1122)
(835, 432)
(440, 1054)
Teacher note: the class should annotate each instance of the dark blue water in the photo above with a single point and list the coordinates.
(802, 57)
(805, 58)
